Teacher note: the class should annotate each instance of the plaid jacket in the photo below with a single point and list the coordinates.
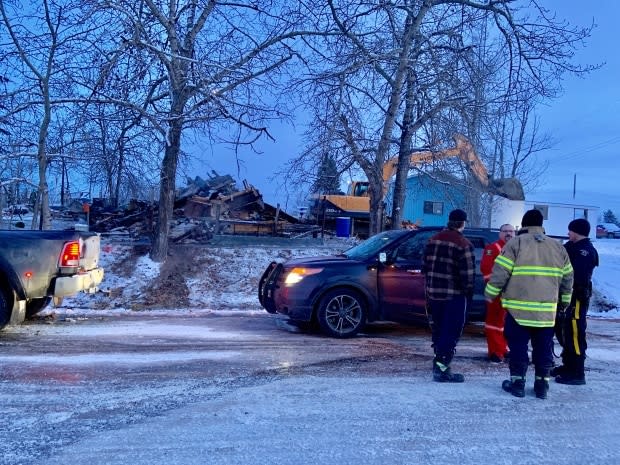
(449, 265)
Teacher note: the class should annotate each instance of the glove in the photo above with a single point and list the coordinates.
(565, 312)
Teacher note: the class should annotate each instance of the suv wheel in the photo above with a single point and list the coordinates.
(342, 313)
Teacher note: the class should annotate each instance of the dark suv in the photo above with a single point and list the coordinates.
(379, 279)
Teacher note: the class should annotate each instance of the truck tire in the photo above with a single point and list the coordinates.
(5, 310)
(34, 306)
(342, 313)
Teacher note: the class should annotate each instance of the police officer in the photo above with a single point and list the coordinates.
(570, 326)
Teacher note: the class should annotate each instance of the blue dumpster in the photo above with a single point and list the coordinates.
(343, 226)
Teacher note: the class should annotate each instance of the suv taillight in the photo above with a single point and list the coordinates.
(70, 254)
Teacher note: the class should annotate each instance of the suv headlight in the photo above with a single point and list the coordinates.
(297, 274)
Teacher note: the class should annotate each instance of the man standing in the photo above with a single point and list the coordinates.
(531, 272)
(570, 326)
(496, 314)
(449, 267)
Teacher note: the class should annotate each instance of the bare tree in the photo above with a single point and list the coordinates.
(40, 45)
(203, 62)
(402, 69)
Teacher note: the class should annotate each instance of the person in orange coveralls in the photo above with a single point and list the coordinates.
(494, 323)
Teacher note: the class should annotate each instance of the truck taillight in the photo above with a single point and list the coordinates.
(70, 254)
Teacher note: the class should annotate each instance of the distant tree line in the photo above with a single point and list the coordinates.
(108, 93)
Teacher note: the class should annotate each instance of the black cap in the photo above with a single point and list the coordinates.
(532, 218)
(580, 226)
(457, 215)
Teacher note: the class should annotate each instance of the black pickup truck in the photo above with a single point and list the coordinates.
(38, 266)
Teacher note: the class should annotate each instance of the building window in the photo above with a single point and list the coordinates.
(580, 213)
(433, 208)
(544, 209)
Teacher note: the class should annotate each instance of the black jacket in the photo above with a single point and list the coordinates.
(584, 258)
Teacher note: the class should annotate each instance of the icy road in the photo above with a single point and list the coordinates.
(246, 389)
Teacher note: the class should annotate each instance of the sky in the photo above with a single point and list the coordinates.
(583, 122)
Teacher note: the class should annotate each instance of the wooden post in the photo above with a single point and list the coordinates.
(275, 224)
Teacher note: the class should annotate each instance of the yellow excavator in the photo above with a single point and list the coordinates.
(356, 203)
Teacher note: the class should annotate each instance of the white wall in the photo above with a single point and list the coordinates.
(558, 214)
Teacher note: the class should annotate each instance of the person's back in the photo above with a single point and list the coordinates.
(447, 264)
(535, 265)
(449, 270)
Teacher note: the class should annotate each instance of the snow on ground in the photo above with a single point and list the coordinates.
(225, 279)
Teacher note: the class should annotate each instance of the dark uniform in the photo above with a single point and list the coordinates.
(449, 268)
(570, 327)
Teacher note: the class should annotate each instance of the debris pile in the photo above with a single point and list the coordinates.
(202, 209)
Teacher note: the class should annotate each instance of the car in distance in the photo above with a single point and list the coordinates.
(609, 230)
(379, 279)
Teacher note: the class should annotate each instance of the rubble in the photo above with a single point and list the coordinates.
(202, 209)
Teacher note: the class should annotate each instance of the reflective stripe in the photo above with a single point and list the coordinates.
(530, 306)
(537, 271)
(505, 262)
(568, 269)
(566, 298)
(535, 323)
(574, 323)
(493, 328)
(492, 290)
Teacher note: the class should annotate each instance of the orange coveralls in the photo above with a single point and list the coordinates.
(494, 322)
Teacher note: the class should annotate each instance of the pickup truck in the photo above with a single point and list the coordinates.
(38, 266)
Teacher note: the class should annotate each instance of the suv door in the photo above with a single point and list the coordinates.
(401, 283)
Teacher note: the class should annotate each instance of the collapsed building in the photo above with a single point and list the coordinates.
(202, 209)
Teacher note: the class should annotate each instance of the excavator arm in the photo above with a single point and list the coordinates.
(508, 187)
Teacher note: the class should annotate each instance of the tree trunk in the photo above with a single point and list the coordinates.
(167, 190)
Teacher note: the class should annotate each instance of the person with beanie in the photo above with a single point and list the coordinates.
(534, 278)
(449, 268)
(570, 325)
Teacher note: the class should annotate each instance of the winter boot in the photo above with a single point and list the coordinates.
(515, 386)
(574, 376)
(442, 373)
(559, 370)
(571, 379)
(541, 387)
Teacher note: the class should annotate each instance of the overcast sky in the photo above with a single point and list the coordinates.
(584, 122)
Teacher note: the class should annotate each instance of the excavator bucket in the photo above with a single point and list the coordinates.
(511, 188)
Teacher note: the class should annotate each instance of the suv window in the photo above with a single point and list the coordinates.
(413, 248)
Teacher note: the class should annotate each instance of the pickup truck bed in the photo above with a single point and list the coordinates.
(36, 266)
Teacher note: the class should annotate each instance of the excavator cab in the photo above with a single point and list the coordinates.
(358, 189)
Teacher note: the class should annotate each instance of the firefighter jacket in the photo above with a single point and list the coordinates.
(449, 265)
(532, 273)
(490, 253)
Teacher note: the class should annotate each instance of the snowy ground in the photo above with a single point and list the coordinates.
(196, 387)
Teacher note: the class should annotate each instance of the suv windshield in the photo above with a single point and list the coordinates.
(373, 245)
